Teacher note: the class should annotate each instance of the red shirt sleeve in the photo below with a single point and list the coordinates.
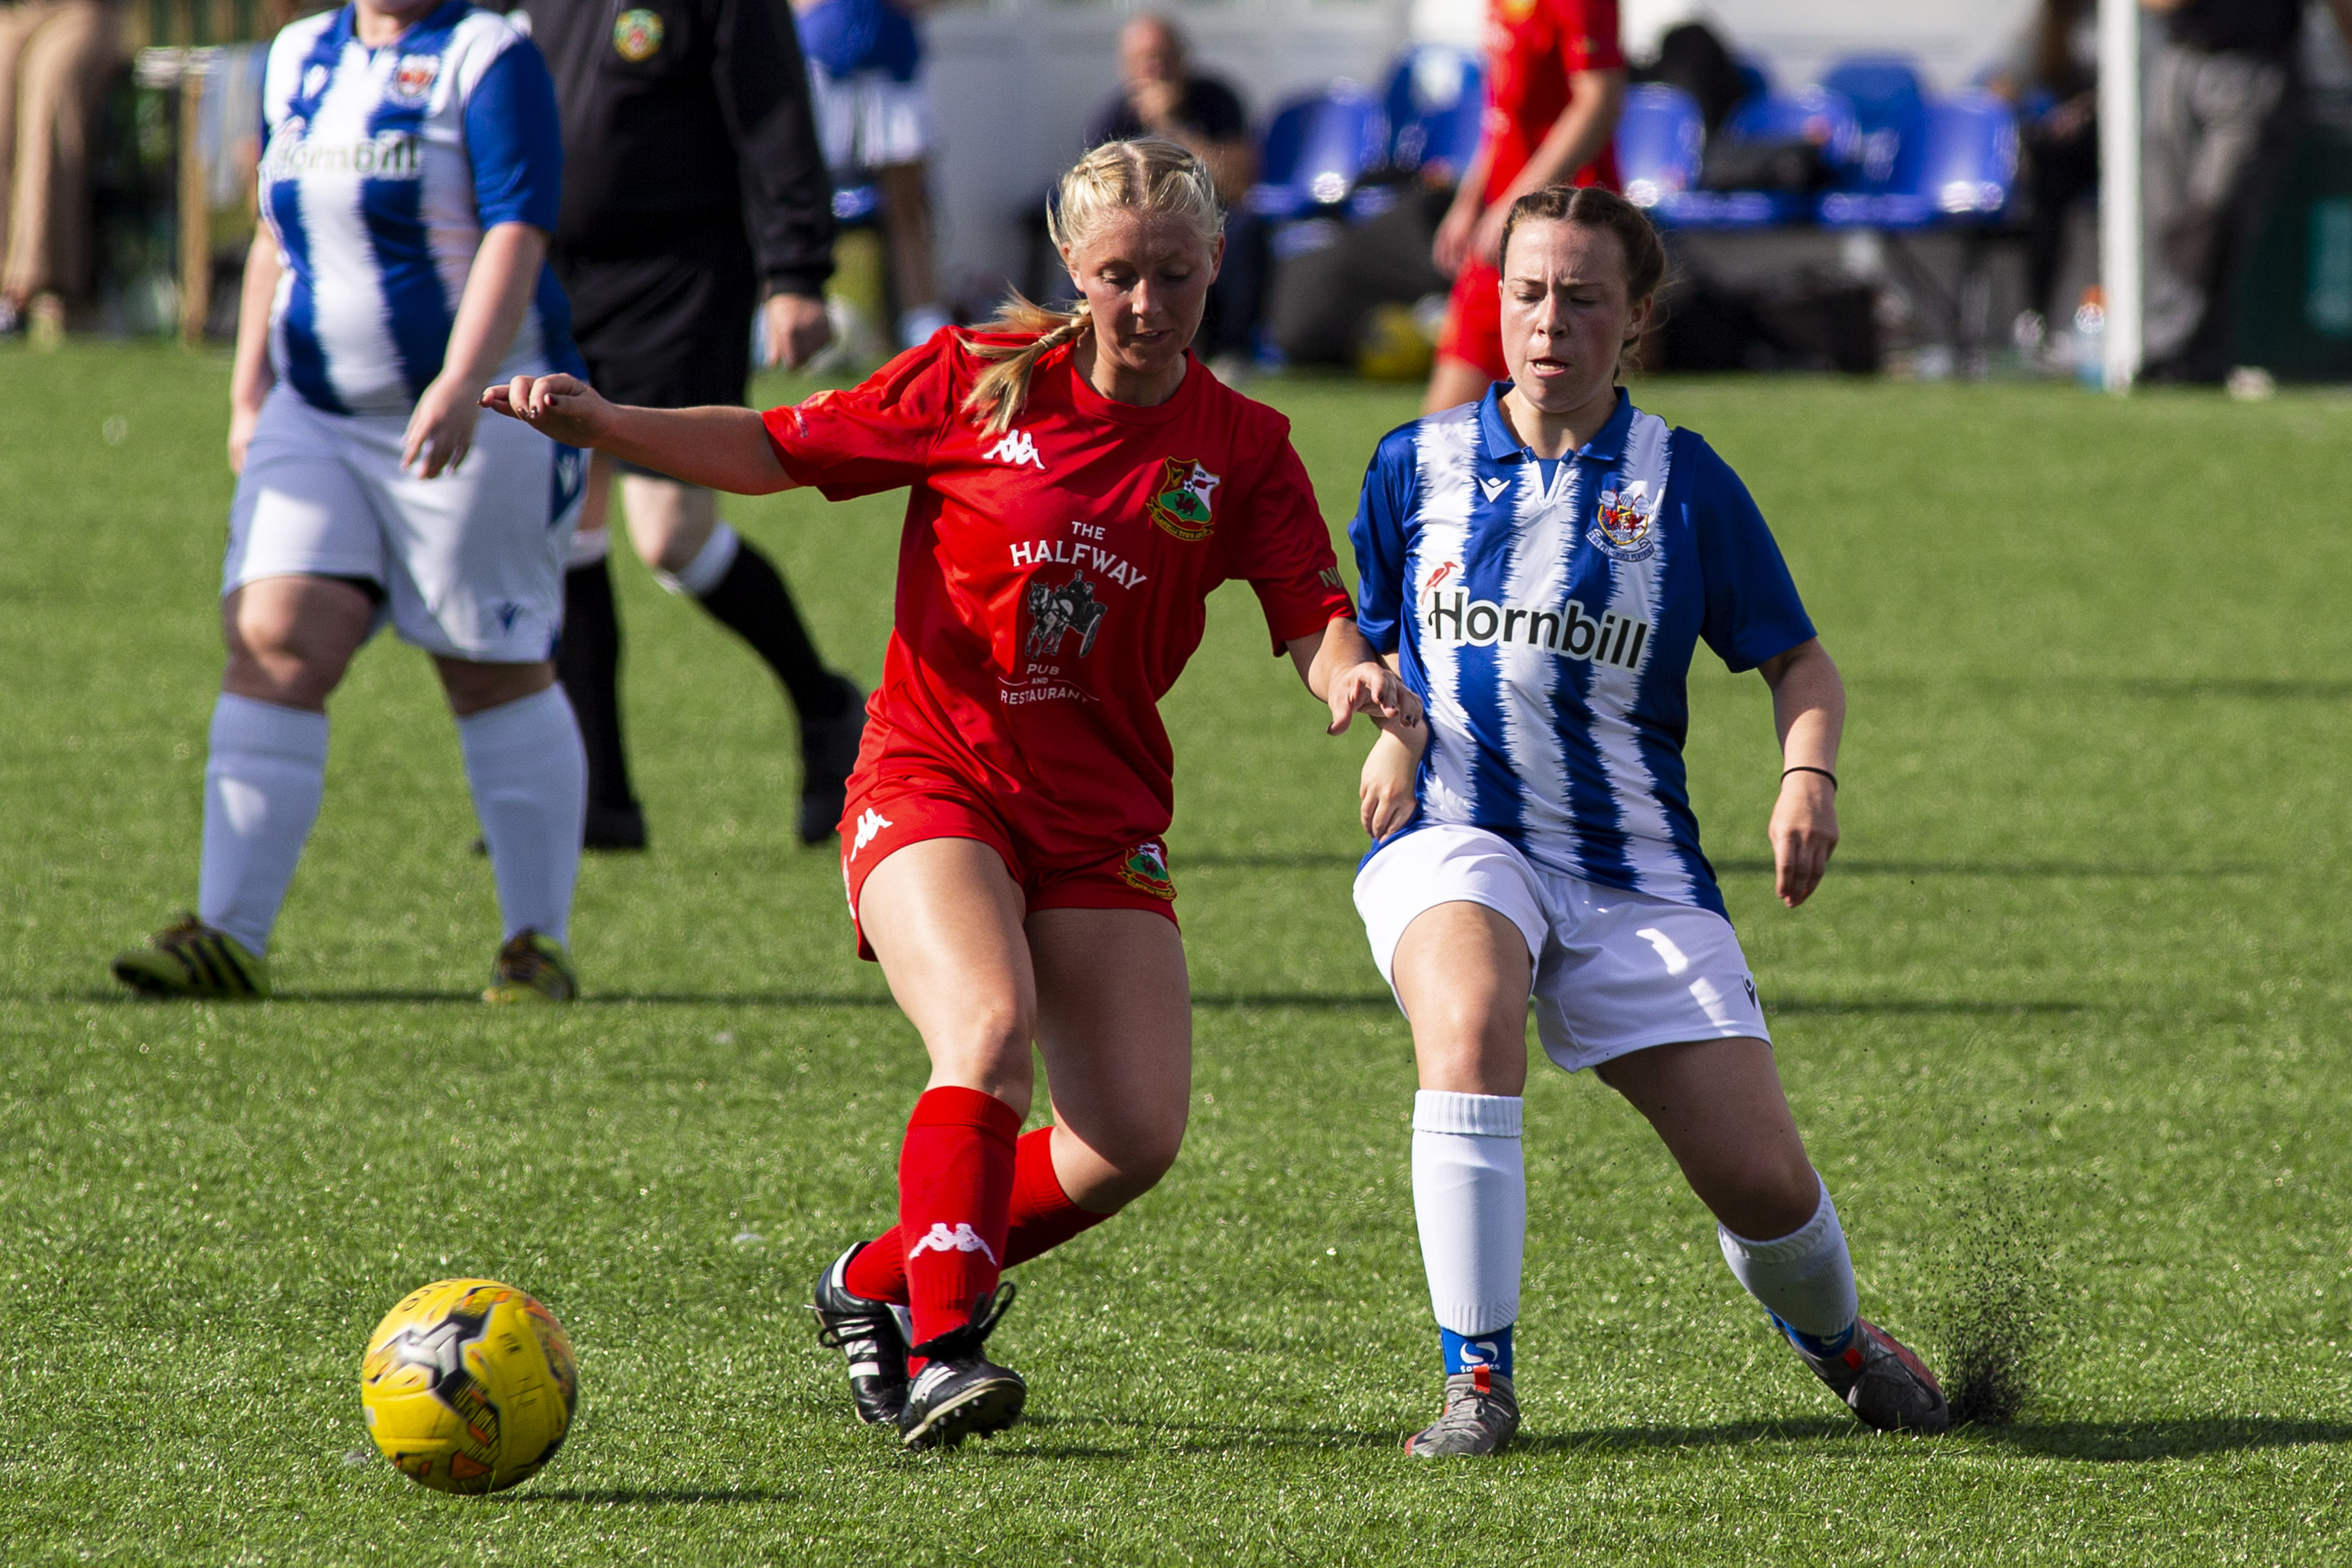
(1588, 36)
(875, 436)
(1283, 549)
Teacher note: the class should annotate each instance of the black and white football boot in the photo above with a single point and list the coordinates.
(1482, 1416)
(961, 1393)
(867, 1332)
(1880, 1380)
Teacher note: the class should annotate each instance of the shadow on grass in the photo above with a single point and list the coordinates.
(2245, 690)
(2104, 1442)
(644, 1497)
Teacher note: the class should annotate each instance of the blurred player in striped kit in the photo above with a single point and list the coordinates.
(410, 176)
(1540, 566)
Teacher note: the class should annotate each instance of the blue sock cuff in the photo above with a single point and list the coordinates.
(1815, 1345)
(1464, 1352)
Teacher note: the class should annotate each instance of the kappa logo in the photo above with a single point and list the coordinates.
(961, 1240)
(413, 78)
(1016, 449)
(872, 823)
(1493, 486)
(1623, 529)
(1185, 505)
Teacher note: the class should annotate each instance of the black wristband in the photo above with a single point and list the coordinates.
(1804, 768)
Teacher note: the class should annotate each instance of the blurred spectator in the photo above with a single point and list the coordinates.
(874, 116)
(54, 59)
(2053, 77)
(1555, 82)
(1693, 57)
(1161, 95)
(2223, 104)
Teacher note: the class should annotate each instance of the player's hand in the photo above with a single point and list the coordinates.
(241, 422)
(560, 406)
(1451, 248)
(441, 430)
(1804, 831)
(794, 330)
(1385, 795)
(1372, 688)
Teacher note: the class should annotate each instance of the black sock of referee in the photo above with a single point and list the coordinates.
(750, 599)
(588, 663)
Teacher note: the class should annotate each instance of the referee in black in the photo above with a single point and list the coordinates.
(694, 194)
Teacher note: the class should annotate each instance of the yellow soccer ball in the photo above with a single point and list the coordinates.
(468, 1385)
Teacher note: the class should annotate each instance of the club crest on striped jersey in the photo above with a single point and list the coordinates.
(1185, 505)
(1622, 525)
(413, 78)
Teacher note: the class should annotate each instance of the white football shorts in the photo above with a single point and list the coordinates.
(471, 564)
(869, 121)
(1615, 970)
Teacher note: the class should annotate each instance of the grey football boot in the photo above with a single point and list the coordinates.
(1880, 1380)
(868, 1333)
(1482, 1416)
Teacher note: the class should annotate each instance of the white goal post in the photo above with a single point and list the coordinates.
(2121, 231)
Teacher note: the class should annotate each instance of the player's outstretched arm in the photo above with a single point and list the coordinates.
(1808, 709)
(1339, 666)
(721, 448)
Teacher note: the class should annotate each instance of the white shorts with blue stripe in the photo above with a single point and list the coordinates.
(1614, 971)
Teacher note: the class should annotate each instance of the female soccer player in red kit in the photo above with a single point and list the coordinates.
(1080, 483)
(1555, 82)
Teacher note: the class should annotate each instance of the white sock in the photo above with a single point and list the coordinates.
(709, 564)
(1470, 1194)
(1804, 1278)
(264, 769)
(529, 773)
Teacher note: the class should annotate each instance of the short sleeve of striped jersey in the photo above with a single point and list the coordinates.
(515, 141)
(1753, 612)
(1379, 535)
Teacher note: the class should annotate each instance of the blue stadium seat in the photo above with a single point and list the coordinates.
(1817, 115)
(1315, 149)
(1965, 170)
(1891, 109)
(1435, 101)
(1661, 137)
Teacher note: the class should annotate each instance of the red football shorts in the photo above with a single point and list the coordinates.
(1473, 321)
(886, 815)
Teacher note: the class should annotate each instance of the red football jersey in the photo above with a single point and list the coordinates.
(1053, 580)
(1532, 49)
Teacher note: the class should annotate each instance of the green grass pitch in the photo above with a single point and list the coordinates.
(2074, 991)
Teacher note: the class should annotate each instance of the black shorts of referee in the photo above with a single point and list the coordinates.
(666, 328)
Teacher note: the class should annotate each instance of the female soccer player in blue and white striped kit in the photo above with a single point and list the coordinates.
(1540, 566)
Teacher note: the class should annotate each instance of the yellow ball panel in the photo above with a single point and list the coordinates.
(468, 1385)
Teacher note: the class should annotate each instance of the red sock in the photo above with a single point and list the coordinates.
(1043, 1218)
(955, 1194)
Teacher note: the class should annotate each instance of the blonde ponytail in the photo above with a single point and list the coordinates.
(1151, 177)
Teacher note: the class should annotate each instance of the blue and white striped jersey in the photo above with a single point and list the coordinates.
(380, 171)
(1548, 620)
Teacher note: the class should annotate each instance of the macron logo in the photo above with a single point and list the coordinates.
(872, 823)
(942, 1240)
(1017, 448)
(1494, 486)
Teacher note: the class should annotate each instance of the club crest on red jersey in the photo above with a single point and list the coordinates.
(1622, 526)
(1185, 504)
(1145, 869)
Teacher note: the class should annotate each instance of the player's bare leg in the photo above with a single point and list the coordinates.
(1452, 382)
(1719, 1106)
(944, 917)
(529, 774)
(1462, 974)
(677, 531)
